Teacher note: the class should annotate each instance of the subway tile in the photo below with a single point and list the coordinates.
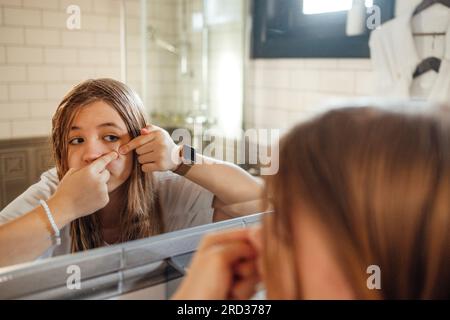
(42, 37)
(5, 130)
(24, 55)
(2, 55)
(133, 25)
(320, 64)
(354, 64)
(93, 57)
(313, 99)
(11, 35)
(43, 4)
(27, 92)
(22, 92)
(4, 92)
(60, 56)
(271, 78)
(105, 72)
(45, 73)
(290, 100)
(11, 3)
(43, 109)
(54, 19)
(31, 128)
(85, 5)
(12, 73)
(10, 110)
(134, 42)
(271, 118)
(114, 24)
(303, 79)
(133, 58)
(90, 22)
(133, 8)
(58, 91)
(77, 38)
(110, 7)
(365, 83)
(286, 64)
(134, 73)
(115, 57)
(337, 81)
(22, 17)
(78, 74)
(297, 117)
(107, 40)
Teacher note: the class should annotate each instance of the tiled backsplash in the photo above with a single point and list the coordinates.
(283, 91)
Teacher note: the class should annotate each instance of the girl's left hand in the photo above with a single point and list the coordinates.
(156, 151)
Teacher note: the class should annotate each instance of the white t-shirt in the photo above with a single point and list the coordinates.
(183, 203)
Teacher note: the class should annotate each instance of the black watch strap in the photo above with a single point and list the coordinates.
(187, 160)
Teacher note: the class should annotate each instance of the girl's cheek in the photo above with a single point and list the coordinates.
(115, 165)
(72, 160)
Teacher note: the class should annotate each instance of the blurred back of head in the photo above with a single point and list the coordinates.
(379, 183)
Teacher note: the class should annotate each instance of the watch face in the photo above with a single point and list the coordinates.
(188, 154)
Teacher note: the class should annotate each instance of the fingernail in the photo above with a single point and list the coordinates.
(123, 149)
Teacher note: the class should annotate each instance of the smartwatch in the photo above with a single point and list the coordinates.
(188, 158)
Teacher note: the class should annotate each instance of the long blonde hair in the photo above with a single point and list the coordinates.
(379, 183)
(140, 216)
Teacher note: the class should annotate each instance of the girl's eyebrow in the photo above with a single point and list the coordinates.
(106, 124)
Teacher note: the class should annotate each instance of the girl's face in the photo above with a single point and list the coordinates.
(98, 129)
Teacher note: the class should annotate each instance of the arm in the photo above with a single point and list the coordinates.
(156, 151)
(228, 182)
(28, 236)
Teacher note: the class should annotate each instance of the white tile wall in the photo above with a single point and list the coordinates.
(283, 91)
(280, 92)
(40, 59)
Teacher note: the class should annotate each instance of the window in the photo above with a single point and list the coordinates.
(325, 6)
(309, 28)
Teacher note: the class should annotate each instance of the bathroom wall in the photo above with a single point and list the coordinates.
(41, 59)
(281, 92)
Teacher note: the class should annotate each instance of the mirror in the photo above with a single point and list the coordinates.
(185, 59)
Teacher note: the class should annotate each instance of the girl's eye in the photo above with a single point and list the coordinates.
(75, 141)
(111, 138)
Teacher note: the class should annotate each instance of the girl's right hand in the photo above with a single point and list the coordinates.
(84, 191)
(225, 266)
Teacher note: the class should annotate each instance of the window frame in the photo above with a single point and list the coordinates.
(279, 36)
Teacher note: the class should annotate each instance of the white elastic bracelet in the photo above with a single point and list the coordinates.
(56, 237)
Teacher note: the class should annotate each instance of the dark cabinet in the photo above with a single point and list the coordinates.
(21, 163)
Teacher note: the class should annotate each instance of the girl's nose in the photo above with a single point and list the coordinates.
(93, 151)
